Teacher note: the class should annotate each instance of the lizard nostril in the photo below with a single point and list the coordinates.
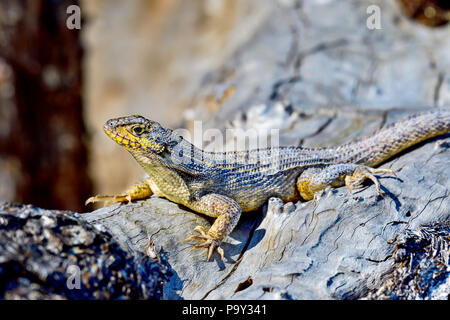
(110, 124)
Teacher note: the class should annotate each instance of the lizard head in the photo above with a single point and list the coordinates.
(137, 134)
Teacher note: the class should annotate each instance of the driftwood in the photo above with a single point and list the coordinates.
(336, 247)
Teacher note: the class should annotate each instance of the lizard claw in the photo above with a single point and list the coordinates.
(208, 242)
(355, 181)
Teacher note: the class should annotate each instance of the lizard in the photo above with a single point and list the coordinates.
(225, 184)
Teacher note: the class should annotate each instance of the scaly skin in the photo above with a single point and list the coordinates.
(222, 185)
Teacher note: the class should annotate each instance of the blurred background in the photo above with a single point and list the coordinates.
(175, 61)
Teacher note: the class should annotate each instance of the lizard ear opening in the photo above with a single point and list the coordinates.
(155, 140)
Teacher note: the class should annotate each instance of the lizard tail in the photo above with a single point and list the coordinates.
(388, 141)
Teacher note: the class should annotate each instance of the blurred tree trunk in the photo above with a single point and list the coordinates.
(43, 156)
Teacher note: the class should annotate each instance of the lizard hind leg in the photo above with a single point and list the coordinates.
(227, 213)
(313, 180)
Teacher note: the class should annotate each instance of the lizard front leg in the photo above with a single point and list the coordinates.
(140, 190)
(226, 210)
(352, 176)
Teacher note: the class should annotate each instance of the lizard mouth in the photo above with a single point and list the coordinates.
(121, 136)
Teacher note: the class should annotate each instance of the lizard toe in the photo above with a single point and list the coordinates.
(206, 241)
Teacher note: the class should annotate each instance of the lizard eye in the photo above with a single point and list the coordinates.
(138, 130)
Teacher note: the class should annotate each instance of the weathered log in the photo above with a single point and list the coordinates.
(337, 247)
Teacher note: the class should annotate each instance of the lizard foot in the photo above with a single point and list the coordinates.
(108, 200)
(362, 173)
(209, 242)
(139, 191)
